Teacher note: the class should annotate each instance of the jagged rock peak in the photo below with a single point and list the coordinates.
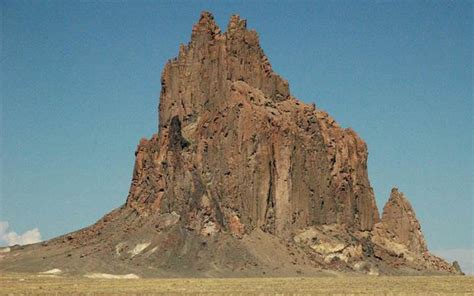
(230, 128)
(399, 217)
(236, 23)
(206, 25)
(201, 76)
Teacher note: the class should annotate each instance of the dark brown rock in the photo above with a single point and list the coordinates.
(242, 179)
(399, 218)
(457, 267)
(254, 151)
(398, 240)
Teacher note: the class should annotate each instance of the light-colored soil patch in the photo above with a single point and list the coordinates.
(52, 271)
(5, 250)
(112, 276)
(139, 248)
(419, 285)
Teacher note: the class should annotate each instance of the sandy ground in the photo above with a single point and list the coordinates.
(21, 284)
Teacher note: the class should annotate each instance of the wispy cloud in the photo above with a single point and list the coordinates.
(465, 258)
(10, 238)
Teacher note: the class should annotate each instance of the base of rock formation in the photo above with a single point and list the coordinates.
(123, 242)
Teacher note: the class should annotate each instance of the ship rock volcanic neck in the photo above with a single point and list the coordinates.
(239, 166)
(232, 136)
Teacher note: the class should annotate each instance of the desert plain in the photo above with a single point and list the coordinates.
(27, 284)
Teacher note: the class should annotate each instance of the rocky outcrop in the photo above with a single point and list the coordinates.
(457, 268)
(248, 152)
(240, 166)
(399, 217)
(398, 239)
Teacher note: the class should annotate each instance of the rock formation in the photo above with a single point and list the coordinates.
(241, 166)
(231, 136)
(398, 239)
(399, 217)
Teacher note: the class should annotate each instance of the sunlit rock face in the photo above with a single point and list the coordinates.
(237, 151)
(400, 218)
(241, 179)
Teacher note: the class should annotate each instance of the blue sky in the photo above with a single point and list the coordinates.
(80, 83)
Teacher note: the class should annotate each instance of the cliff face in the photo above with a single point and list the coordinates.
(239, 166)
(233, 140)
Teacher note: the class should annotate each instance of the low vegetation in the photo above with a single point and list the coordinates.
(14, 284)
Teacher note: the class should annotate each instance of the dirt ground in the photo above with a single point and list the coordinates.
(24, 284)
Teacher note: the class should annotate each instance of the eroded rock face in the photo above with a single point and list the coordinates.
(239, 166)
(236, 152)
(399, 217)
(398, 241)
(235, 149)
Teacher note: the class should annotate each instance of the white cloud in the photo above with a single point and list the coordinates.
(10, 238)
(465, 258)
